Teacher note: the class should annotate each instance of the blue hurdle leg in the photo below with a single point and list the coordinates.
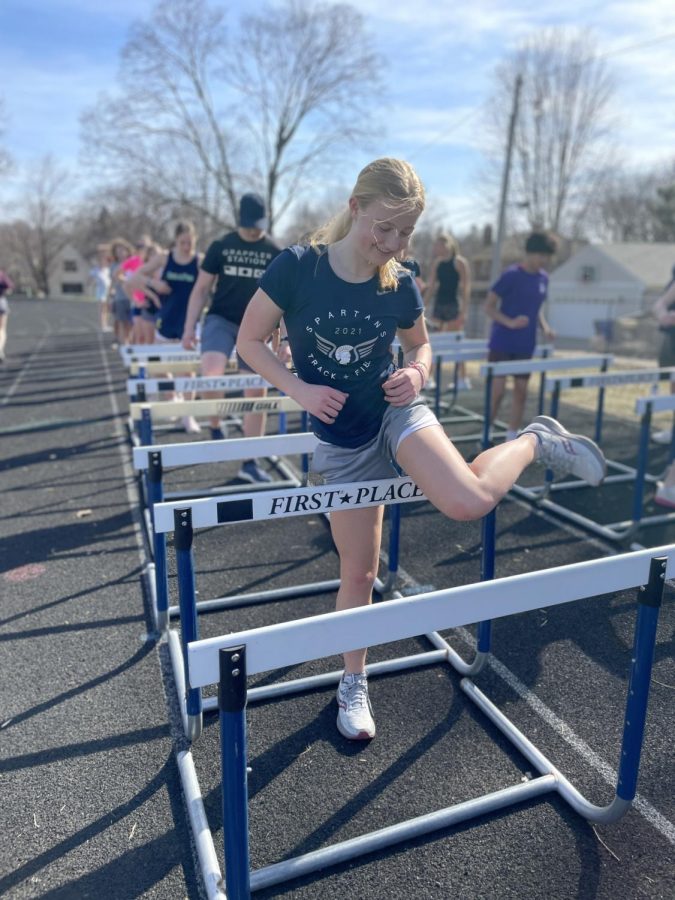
(145, 428)
(234, 790)
(600, 410)
(487, 408)
(437, 392)
(487, 572)
(189, 628)
(156, 495)
(641, 468)
(394, 545)
(649, 604)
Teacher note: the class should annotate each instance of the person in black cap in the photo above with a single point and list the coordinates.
(234, 264)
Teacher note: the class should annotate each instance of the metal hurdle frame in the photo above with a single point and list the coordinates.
(153, 460)
(613, 531)
(467, 351)
(228, 660)
(529, 366)
(182, 519)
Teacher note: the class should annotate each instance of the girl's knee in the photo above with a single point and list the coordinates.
(467, 508)
(358, 581)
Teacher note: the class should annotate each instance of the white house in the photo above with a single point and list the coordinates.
(605, 282)
(69, 275)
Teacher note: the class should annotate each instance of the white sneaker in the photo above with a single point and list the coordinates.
(665, 495)
(464, 384)
(191, 425)
(355, 714)
(663, 437)
(566, 453)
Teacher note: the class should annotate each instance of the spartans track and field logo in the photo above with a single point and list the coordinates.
(345, 353)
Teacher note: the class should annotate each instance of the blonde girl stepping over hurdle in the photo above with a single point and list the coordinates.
(344, 298)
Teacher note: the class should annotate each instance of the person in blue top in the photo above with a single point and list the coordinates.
(167, 280)
(343, 299)
(514, 303)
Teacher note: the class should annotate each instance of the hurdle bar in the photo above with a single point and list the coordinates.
(638, 475)
(146, 413)
(166, 358)
(228, 660)
(182, 519)
(155, 459)
(164, 348)
(177, 367)
(138, 389)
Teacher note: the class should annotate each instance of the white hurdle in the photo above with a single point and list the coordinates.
(143, 415)
(228, 660)
(638, 474)
(182, 518)
(153, 460)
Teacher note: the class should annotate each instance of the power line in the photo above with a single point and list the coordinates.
(628, 48)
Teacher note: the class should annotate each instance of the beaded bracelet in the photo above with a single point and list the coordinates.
(419, 366)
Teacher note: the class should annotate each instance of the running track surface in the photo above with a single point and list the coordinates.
(92, 804)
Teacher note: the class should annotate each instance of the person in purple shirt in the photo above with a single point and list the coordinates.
(515, 305)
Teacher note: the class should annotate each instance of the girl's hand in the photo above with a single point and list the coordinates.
(402, 386)
(189, 341)
(519, 322)
(323, 402)
(159, 286)
(284, 352)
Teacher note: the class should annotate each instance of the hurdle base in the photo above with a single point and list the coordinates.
(192, 725)
(195, 725)
(289, 593)
(278, 873)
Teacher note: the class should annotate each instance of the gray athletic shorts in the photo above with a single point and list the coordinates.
(667, 349)
(121, 307)
(220, 336)
(372, 461)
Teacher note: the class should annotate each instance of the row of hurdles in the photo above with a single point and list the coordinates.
(228, 659)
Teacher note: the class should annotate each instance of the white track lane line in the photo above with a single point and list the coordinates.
(208, 866)
(24, 369)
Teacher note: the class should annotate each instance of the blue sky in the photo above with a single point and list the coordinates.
(59, 54)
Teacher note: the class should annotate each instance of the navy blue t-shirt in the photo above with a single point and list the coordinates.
(340, 334)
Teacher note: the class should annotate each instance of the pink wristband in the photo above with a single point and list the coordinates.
(420, 368)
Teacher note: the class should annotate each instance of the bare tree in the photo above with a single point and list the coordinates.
(634, 206)
(42, 232)
(561, 150)
(663, 212)
(199, 118)
(309, 77)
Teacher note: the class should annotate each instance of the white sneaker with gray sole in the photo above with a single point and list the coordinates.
(355, 714)
(567, 453)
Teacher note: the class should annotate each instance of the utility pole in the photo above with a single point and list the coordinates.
(497, 248)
